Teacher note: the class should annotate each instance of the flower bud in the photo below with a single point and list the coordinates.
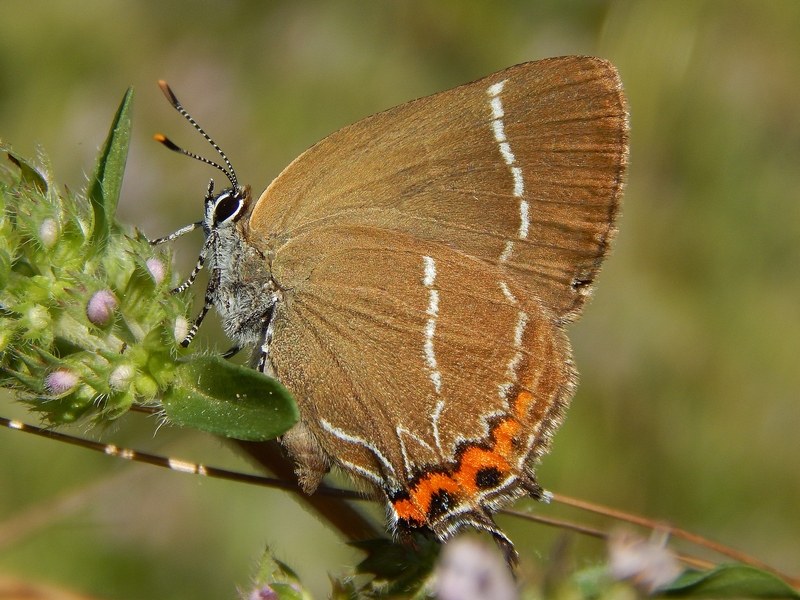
(121, 378)
(38, 317)
(60, 382)
(48, 232)
(100, 308)
(181, 329)
(157, 269)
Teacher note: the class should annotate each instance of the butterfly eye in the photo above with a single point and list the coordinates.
(227, 207)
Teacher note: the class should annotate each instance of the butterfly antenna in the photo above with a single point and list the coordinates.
(162, 139)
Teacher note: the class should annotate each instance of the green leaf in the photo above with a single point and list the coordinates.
(730, 581)
(276, 580)
(28, 174)
(106, 181)
(404, 568)
(220, 397)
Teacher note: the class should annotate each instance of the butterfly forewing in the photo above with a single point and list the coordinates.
(522, 170)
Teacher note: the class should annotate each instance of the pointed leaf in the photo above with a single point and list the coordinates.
(28, 174)
(220, 397)
(730, 581)
(106, 181)
(406, 568)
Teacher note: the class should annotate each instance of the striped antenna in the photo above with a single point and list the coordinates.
(230, 173)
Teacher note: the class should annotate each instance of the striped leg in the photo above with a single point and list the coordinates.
(176, 234)
(209, 302)
(263, 354)
(201, 259)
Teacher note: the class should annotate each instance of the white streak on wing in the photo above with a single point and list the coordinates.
(495, 89)
(508, 155)
(366, 473)
(509, 480)
(354, 439)
(519, 184)
(503, 389)
(430, 271)
(503, 144)
(497, 108)
(437, 412)
(507, 251)
(524, 219)
(499, 131)
(433, 303)
(522, 322)
(511, 369)
(532, 437)
(507, 292)
(429, 280)
(401, 431)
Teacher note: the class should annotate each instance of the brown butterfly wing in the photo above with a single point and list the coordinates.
(394, 383)
(522, 170)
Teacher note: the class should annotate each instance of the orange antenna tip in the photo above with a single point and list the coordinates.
(162, 139)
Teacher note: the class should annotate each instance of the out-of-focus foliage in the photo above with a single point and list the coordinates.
(687, 408)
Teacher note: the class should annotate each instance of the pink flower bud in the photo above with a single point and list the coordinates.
(469, 568)
(60, 382)
(101, 306)
(157, 269)
(648, 564)
(263, 593)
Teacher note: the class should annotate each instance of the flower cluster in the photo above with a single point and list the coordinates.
(86, 323)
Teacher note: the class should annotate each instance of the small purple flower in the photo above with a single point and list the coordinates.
(157, 269)
(60, 382)
(101, 306)
(647, 563)
(469, 568)
(263, 593)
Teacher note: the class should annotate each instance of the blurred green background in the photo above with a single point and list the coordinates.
(688, 405)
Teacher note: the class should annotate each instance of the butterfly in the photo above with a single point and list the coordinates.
(408, 279)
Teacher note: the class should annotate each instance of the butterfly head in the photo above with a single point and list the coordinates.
(224, 209)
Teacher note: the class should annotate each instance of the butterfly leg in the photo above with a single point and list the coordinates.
(266, 338)
(232, 351)
(209, 302)
(176, 234)
(535, 491)
(201, 259)
(482, 521)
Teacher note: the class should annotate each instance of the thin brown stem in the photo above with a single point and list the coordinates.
(337, 511)
(688, 560)
(334, 504)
